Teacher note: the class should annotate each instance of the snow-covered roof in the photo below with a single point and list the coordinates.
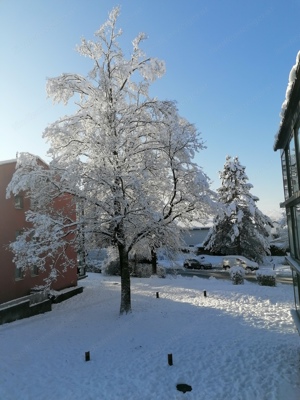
(15, 160)
(292, 93)
(8, 161)
(193, 225)
(292, 78)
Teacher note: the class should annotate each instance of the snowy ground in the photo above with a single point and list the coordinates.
(238, 343)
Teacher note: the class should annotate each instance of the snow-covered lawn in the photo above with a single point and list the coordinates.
(238, 343)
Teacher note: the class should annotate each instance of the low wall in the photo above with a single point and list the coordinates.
(23, 310)
(24, 307)
(67, 294)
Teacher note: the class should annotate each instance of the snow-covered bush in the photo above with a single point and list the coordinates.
(266, 278)
(237, 275)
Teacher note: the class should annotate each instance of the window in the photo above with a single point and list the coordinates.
(292, 166)
(18, 233)
(297, 142)
(297, 230)
(18, 202)
(284, 176)
(290, 231)
(34, 270)
(296, 284)
(295, 213)
(33, 203)
(19, 273)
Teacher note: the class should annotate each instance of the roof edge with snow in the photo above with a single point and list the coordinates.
(289, 106)
(14, 160)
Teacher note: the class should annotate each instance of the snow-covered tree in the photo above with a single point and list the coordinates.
(182, 191)
(125, 157)
(49, 239)
(239, 227)
(279, 233)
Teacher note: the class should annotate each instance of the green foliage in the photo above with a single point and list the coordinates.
(266, 279)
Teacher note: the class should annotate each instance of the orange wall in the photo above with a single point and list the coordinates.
(11, 221)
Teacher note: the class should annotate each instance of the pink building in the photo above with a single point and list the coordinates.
(14, 283)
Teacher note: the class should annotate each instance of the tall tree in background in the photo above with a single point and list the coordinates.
(240, 227)
(125, 157)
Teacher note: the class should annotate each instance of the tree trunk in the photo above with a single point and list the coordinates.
(125, 280)
(154, 261)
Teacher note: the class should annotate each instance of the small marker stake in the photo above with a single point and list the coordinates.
(87, 356)
(170, 359)
(204, 292)
(157, 295)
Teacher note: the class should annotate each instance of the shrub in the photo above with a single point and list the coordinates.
(111, 268)
(278, 251)
(94, 266)
(266, 278)
(95, 258)
(144, 270)
(140, 270)
(111, 264)
(237, 275)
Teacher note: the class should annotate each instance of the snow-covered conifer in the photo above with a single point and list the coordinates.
(239, 227)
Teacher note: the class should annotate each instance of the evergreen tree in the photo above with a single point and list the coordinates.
(240, 227)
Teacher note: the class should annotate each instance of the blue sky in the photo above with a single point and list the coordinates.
(227, 67)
